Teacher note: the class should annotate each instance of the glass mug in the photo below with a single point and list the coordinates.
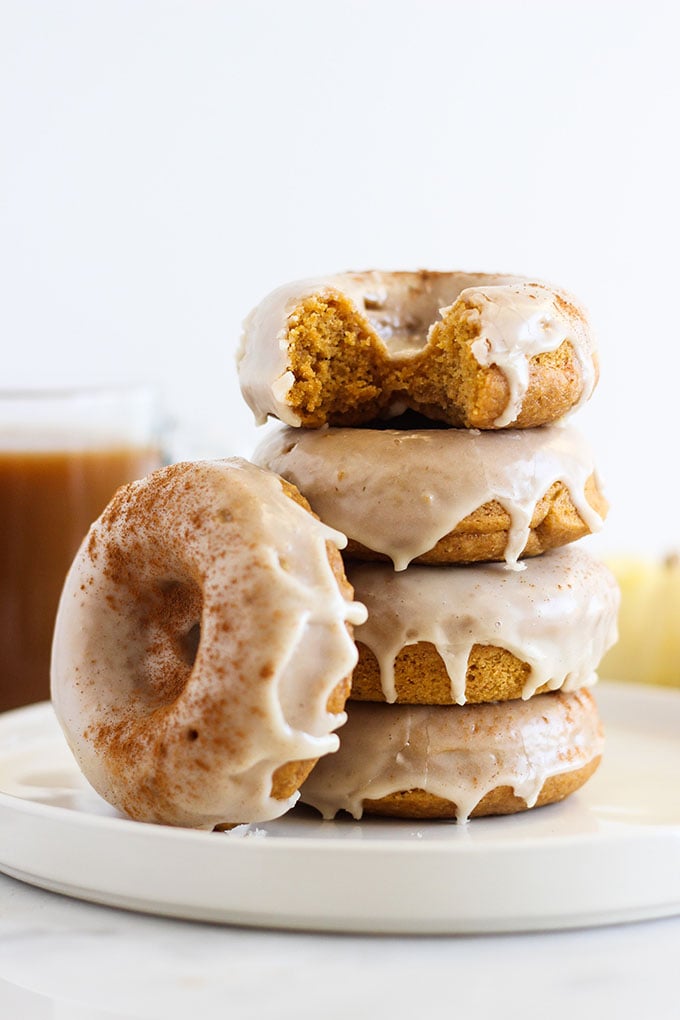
(63, 453)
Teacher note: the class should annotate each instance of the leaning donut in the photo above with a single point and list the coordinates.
(202, 647)
(470, 350)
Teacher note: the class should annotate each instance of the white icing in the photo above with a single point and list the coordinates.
(558, 615)
(398, 492)
(519, 318)
(273, 645)
(518, 322)
(458, 753)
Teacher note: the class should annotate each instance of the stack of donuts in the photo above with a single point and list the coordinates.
(423, 418)
(204, 643)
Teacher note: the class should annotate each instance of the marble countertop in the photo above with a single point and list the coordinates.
(62, 958)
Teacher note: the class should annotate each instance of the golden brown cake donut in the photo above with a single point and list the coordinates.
(441, 495)
(421, 761)
(447, 635)
(203, 646)
(468, 349)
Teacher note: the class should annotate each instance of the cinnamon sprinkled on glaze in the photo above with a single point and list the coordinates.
(202, 645)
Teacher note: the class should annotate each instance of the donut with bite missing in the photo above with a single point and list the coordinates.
(468, 349)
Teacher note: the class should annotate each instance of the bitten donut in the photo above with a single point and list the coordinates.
(468, 349)
(442, 495)
(203, 646)
(447, 635)
(420, 761)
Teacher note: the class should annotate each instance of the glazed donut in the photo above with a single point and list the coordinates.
(443, 495)
(447, 635)
(418, 761)
(471, 350)
(202, 647)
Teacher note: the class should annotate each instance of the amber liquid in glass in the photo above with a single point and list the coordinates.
(47, 502)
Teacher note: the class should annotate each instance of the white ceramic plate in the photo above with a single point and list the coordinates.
(609, 853)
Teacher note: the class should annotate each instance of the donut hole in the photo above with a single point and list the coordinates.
(188, 644)
(403, 313)
(172, 634)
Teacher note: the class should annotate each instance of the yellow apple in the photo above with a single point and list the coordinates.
(648, 650)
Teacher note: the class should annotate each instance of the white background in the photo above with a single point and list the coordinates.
(164, 164)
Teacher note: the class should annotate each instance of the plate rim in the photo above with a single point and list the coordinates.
(247, 852)
(169, 832)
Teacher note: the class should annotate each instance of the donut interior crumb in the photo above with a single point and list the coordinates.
(493, 674)
(447, 382)
(335, 362)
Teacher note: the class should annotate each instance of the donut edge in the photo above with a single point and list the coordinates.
(502, 800)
